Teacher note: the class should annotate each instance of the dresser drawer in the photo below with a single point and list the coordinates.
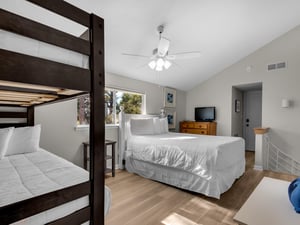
(183, 125)
(187, 125)
(194, 131)
(190, 131)
(204, 132)
(201, 125)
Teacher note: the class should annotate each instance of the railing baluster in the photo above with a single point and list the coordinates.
(290, 165)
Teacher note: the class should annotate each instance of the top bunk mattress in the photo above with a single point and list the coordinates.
(28, 46)
(24, 176)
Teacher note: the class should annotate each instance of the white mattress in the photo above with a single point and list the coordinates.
(205, 164)
(21, 44)
(28, 175)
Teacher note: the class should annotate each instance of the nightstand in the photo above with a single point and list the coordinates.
(111, 157)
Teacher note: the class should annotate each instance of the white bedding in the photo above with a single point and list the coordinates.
(28, 175)
(207, 160)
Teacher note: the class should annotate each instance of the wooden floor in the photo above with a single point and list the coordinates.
(139, 201)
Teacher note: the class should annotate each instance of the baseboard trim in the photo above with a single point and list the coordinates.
(256, 167)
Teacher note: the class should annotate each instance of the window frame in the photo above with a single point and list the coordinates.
(80, 127)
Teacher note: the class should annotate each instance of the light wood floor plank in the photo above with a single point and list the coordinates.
(139, 201)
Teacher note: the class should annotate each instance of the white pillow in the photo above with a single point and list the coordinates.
(24, 140)
(142, 126)
(157, 126)
(5, 135)
(164, 127)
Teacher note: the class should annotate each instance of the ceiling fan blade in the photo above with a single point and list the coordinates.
(136, 55)
(184, 55)
(163, 47)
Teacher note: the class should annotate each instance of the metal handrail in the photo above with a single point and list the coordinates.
(279, 161)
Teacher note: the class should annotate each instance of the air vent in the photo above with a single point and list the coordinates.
(276, 66)
(272, 67)
(281, 65)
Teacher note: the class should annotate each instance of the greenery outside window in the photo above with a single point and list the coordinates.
(133, 103)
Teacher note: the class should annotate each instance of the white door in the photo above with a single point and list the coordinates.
(252, 116)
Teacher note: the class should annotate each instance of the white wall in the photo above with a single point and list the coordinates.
(59, 120)
(154, 94)
(282, 83)
(58, 134)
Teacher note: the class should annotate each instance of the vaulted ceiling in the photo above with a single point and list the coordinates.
(224, 31)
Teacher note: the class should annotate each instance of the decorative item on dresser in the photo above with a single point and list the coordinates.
(204, 128)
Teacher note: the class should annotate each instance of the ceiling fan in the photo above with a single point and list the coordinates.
(160, 58)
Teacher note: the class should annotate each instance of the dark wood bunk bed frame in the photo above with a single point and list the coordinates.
(16, 67)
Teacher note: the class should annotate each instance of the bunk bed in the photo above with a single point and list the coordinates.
(29, 80)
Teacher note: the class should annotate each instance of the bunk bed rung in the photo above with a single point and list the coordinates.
(32, 206)
(4, 125)
(75, 218)
(13, 114)
(18, 67)
(23, 26)
(65, 9)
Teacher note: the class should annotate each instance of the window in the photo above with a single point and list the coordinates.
(133, 103)
(83, 110)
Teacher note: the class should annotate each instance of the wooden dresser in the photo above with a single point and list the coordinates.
(205, 128)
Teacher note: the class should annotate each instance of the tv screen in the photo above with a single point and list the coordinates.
(205, 114)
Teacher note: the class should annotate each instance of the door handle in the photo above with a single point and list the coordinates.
(247, 120)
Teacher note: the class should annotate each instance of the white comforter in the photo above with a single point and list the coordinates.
(201, 155)
(28, 175)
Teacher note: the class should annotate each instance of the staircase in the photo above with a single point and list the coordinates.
(277, 160)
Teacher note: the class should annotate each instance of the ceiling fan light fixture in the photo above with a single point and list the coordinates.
(160, 62)
(159, 68)
(161, 59)
(152, 64)
(167, 64)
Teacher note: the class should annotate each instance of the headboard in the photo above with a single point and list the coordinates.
(124, 131)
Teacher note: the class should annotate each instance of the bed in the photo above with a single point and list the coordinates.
(28, 175)
(42, 65)
(200, 163)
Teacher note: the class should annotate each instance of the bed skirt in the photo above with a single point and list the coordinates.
(213, 186)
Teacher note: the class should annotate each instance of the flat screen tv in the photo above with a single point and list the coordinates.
(207, 114)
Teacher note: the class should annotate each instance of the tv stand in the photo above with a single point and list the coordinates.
(204, 128)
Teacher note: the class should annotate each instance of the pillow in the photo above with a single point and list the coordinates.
(164, 127)
(142, 126)
(157, 127)
(294, 194)
(5, 135)
(24, 140)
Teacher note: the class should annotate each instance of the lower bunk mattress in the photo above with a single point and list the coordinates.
(24, 176)
(204, 164)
